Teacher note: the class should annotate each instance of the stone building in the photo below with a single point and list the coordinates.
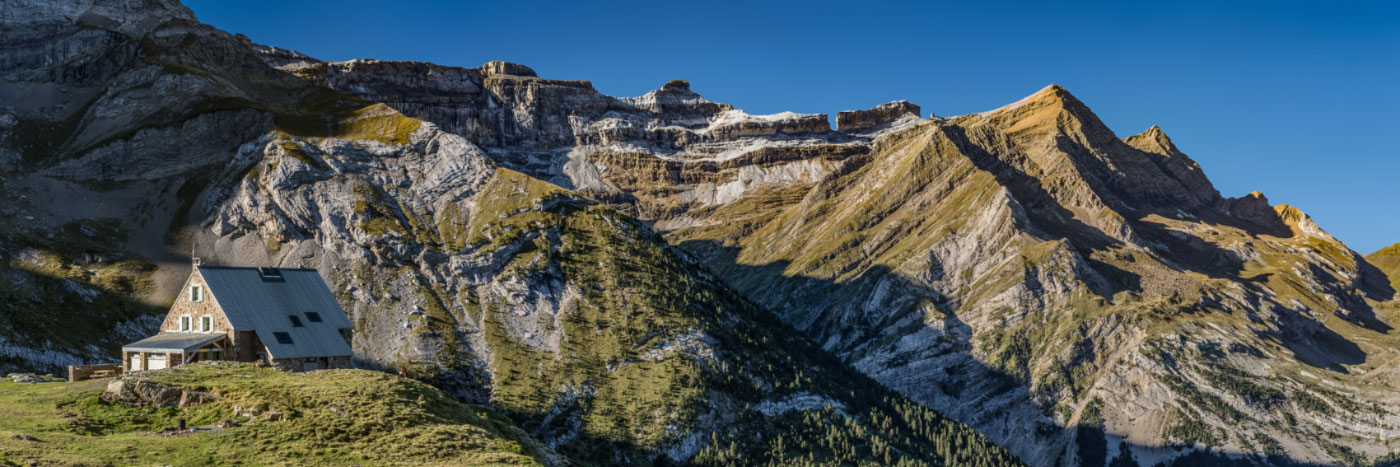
(285, 317)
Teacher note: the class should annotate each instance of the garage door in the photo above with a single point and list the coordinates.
(155, 362)
(136, 362)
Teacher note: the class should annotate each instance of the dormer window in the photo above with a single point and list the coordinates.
(196, 293)
(206, 324)
(184, 324)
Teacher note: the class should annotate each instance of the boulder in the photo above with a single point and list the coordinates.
(31, 378)
(137, 390)
(194, 398)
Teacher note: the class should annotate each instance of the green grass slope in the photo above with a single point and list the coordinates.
(331, 417)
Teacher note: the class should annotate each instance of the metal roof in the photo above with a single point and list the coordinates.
(173, 342)
(259, 299)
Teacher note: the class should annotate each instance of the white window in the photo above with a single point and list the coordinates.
(185, 323)
(196, 293)
(206, 324)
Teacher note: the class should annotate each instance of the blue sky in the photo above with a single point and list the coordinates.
(1296, 99)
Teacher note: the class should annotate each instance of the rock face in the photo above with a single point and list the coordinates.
(854, 120)
(1023, 270)
(567, 133)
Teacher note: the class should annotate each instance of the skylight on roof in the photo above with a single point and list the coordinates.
(296, 321)
(270, 274)
(313, 316)
(283, 338)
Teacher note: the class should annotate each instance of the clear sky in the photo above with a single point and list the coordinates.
(1296, 99)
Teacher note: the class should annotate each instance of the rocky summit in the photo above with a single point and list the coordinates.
(667, 279)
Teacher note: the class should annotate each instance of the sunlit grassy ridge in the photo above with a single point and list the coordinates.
(1388, 260)
(329, 417)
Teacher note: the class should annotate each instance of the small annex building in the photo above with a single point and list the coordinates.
(285, 317)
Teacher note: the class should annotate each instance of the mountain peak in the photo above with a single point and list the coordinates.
(1043, 105)
(1153, 140)
(1300, 222)
(1053, 88)
(1054, 94)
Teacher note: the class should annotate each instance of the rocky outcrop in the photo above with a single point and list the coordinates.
(498, 68)
(1172, 161)
(31, 378)
(733, 124)
(1254, 207)
(140, 390)
(857, 120)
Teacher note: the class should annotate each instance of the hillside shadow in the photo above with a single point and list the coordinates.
(1186, 250)
(1040, 206)
(70, 287)
(1051, 220)
(1313, 343)
(1182, 251)
(857, 332)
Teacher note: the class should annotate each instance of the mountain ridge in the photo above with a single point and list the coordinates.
(1024, 270)
(1119, 220)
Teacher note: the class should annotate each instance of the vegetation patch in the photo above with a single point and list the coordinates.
(69, 286)
(1190, 430)
(334, 417)
(1306, 401)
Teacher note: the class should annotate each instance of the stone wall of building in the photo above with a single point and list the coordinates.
(86, 372)
(209, 306)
